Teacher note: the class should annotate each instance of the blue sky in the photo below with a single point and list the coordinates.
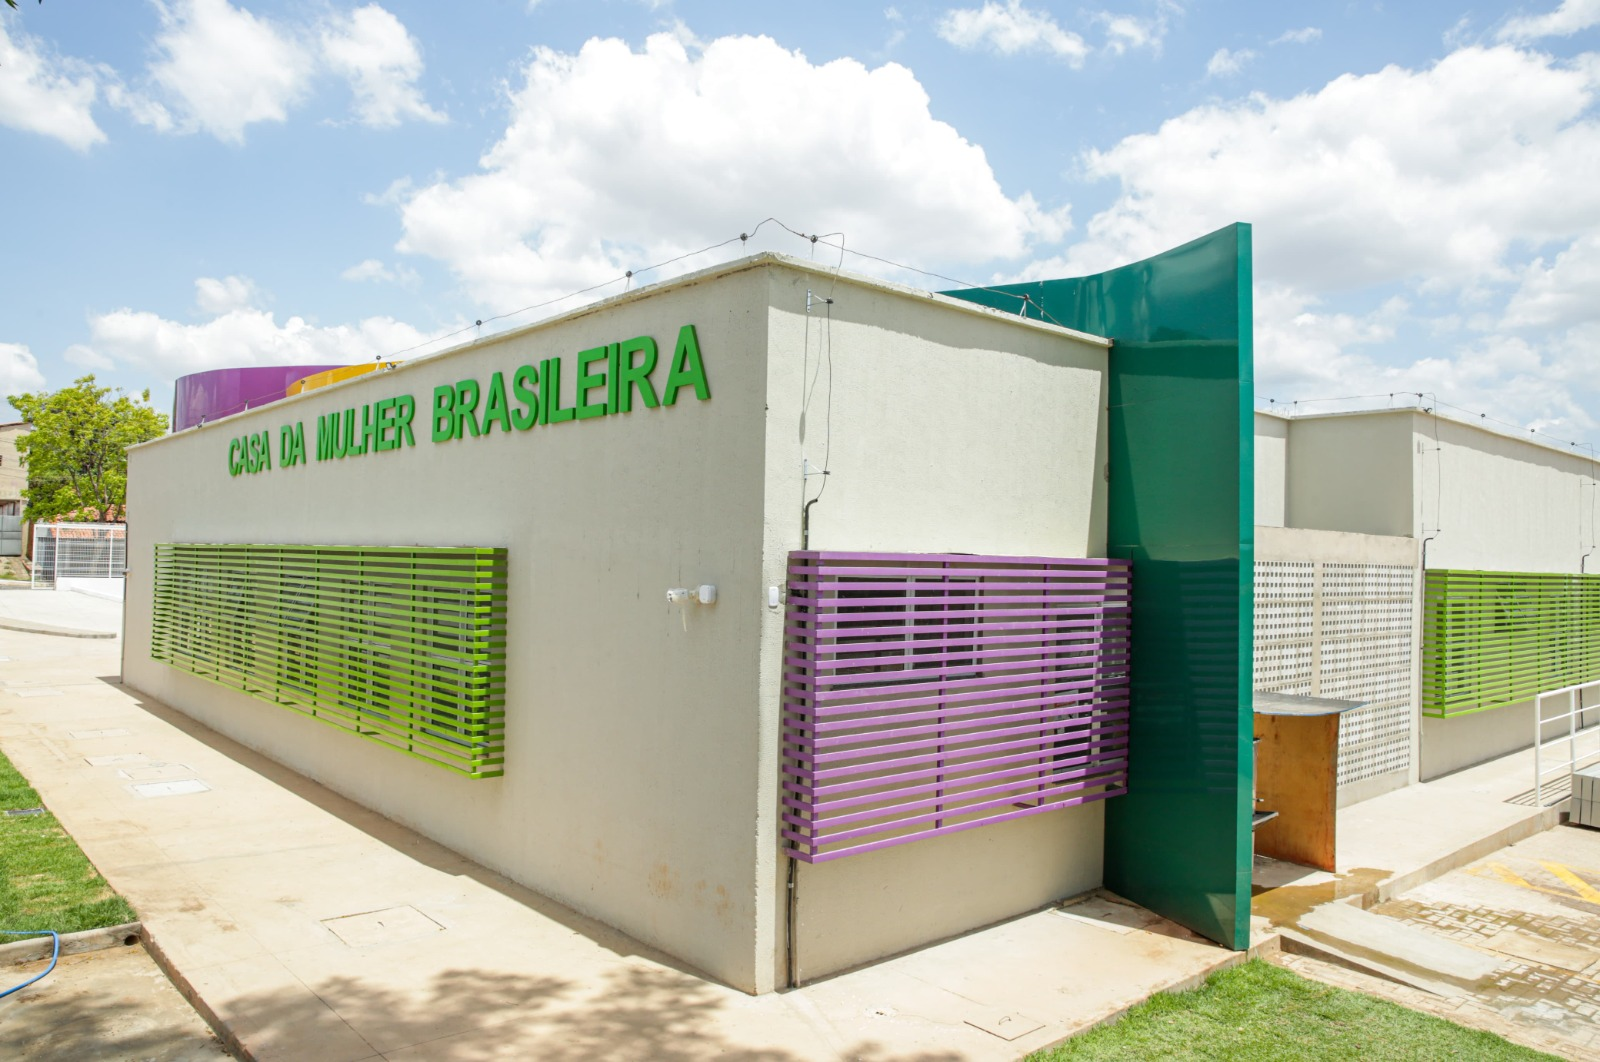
(205, 183)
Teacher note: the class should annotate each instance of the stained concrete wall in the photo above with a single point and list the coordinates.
(642, 758)
(949, 431)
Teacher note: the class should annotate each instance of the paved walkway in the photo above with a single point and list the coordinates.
(306, 927)
(104, 1005)
(61, 612)
(1532, 910)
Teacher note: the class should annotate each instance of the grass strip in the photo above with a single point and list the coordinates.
(1258, 1011)
(46, 882)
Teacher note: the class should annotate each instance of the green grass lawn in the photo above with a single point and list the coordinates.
(1261, 1011)
(45, 881)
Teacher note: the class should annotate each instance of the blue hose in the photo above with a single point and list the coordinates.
(55, 953)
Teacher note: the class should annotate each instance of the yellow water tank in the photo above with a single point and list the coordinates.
(333, 376)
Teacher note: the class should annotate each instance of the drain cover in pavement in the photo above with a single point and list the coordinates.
(1005, 1026)
(382, 927)
(84, 735)
(182, 787)
(18, 813)
(156, 772)
(108, 761)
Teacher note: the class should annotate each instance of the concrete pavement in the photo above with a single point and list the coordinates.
(65, 613)
(104, 1005)
(305, 927)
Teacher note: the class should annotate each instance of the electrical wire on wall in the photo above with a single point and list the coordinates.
(808, 389)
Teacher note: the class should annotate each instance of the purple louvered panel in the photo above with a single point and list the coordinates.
(929, 693)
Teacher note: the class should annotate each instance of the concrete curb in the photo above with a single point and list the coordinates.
(224, 1032)
(32, 949)
(28, 627)
(1537, 822)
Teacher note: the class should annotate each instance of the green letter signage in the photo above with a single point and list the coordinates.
(607, 380)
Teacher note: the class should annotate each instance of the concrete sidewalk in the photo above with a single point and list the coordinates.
(305, 927)
(64, 613)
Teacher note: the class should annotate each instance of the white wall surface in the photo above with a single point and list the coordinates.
(1501, 504)
(1272, 456)
(642, 758)
(1351, 474)
(951, 431)
(630, 788)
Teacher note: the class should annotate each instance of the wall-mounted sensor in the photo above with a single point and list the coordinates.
(704, 594)
(774, 597)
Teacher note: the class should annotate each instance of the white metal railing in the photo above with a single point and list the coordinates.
(78, 551)
(1574, 736)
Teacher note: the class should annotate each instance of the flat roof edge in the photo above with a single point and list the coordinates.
(759, 260)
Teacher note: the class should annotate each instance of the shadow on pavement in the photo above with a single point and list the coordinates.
(469, 1015)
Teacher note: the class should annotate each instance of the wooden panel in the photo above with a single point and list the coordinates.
(1297, 766)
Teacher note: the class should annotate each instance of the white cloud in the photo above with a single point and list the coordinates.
(216, 297)
(1400, 175)
(1009, 28)
(1564, 292)
(1298, 36)
(238, 337)
(1305, 352)
(222, 68)
(1571, 17)
(45, 93)
(1126, 33)
(375, 270)
(372, 49)
(368, 269)
(1225, 63)
(87, 358)
(614, 159)
(19, 370)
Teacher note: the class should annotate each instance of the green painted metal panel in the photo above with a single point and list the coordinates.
(1181, 503)
(1490, 639)
(404, 646)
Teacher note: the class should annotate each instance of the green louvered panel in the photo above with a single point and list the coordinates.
(1490, 639)
(403, 646)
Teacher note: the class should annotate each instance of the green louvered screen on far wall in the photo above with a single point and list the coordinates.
(402, 646)
(1490, 639)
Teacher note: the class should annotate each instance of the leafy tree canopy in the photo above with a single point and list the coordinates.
(77, 451)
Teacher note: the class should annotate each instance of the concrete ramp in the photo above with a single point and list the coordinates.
(1392, 949)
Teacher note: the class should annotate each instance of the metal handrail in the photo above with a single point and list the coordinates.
(1575, 710)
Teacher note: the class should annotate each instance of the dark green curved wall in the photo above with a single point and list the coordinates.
(1181, 507)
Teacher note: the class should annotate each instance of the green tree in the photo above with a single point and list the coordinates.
(77, 451)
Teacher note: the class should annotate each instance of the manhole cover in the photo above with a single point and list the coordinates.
(108, 761)
(157, 772)
(183, 787)
(382, 927)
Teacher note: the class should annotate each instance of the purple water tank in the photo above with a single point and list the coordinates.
(221, 393)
